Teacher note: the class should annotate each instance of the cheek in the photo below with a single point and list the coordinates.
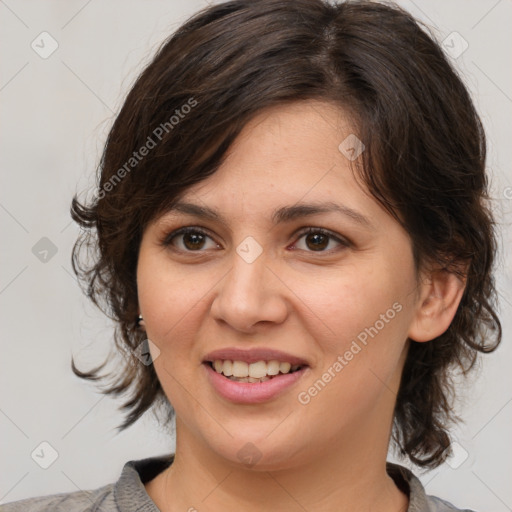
(360, 327)
(172, 306)
(169, 307)
(353, 303)
(167, 295)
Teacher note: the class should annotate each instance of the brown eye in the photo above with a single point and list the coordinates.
(191, 239)
(317, 240)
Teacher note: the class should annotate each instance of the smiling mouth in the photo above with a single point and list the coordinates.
(259, 371)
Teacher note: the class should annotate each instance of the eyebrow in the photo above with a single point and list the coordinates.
(280, 215)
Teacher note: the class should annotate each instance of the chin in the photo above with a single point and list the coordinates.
(266, 454)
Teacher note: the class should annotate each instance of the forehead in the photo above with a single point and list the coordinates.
(286, 163)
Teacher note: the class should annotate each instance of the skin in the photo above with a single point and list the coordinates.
(330, 453)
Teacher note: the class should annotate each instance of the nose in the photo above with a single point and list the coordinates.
(250, 294)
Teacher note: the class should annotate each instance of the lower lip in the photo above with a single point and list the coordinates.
(252, 392)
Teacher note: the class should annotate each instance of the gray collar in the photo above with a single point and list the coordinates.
(131, 496)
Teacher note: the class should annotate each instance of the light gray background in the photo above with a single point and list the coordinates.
(55, 114)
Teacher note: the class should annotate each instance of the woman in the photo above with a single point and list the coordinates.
(293, 238)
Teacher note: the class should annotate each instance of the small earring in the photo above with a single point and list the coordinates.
(140, 321)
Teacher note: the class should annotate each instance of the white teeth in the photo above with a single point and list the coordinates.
(248, 379)
(273, 367)
(240, 369)
(227, 368)
(260, 371)
(284, 367)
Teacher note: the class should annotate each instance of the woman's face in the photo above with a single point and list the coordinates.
(251, 285)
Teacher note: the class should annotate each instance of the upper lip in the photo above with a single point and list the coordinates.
(253, 355)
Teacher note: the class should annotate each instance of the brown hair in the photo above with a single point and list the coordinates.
(424, 162)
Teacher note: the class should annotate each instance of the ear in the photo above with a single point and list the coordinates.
(440, 295)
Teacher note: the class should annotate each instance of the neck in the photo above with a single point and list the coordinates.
(349, 476)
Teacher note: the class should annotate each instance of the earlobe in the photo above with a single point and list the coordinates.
(437, 305)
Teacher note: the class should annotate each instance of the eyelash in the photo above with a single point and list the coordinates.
(167, 241)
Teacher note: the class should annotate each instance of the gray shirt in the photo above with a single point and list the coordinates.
(128, 494)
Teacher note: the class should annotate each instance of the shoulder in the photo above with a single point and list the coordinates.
(78, 501)
(128, 494)
(439, 505)
(419, 500)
